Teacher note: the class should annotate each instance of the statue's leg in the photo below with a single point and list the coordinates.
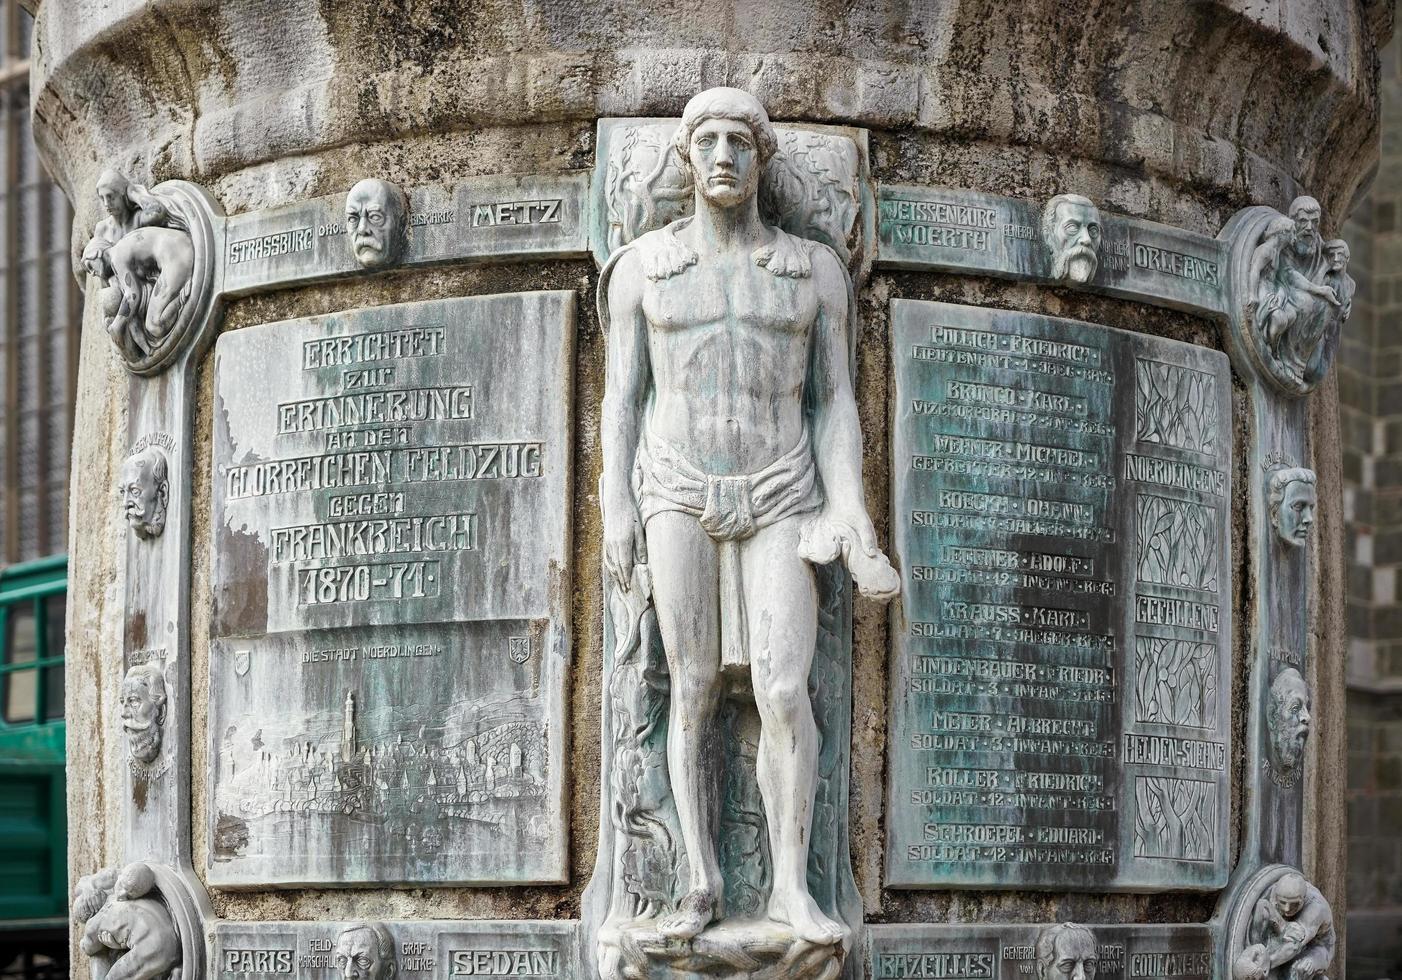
(684, 567)
(781, 610)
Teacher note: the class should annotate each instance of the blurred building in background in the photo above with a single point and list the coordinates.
(40, 313)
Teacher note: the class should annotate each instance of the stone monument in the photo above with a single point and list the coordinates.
(494, 420)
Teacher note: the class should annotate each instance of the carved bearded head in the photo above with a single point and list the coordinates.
(1067, 952)
(143, 710)
(726, 139)
(377, 221)
(1288, 720)
(1071, 229)
(1291, 500)
(365, 951)
(145, 490)
(1305, 213)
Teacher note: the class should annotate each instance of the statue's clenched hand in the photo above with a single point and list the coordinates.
(853, 539)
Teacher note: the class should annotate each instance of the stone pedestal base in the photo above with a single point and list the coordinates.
(740, 949)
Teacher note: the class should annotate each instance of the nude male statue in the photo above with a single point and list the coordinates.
(1294, 923)
(127, 929)
(732, 464)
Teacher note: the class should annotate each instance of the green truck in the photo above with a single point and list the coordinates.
(33, 822)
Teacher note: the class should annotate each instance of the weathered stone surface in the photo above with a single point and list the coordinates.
(1046, 952)
(389, 551)
(392, 950)
(495, 218)
(1060, 677)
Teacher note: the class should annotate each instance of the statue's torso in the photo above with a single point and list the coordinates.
(728, 342)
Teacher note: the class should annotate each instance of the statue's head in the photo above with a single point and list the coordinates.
(112, 194)
(365, 951)
(377, 221)
(92, 892)
(145, 490)
(1067, 952)
(143, 710)
(725, 138)
(136, 881)
(1071, 229)
(95, 260)
(1291, 499)
(1288, 719)
(1288, 895)
(1305, 213)
(1337, 253)
(1254, 963)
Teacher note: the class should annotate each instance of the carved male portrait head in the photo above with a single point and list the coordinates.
(112, 195)
(365, 951)
(145, 490)
(377, 222)
(1288, 719)
(1291, 500)
(143, 710)
(1305, 213)
(1071, 229)
(725, 139)
(1067, 952)
(1336, 252)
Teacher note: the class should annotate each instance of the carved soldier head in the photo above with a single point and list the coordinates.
(145, 490)
(377, 221)
(1291, 500)
(1288, 720)
(1337, 253)
(725, 138)
(365, 951)
(1305, 213)
(1067, 952)
(1071, 229)
(112, 194)
(143, 710)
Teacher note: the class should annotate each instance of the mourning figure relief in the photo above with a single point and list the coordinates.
(1071, 231)
(1288, 725)
(377, 223)
(732, 467)
(143, 253)
(143, 713)
(1291, 500)
(1290, 936)
(1299, 294)
(127, 929)
(1067, 952)
(145, 491)
(365, 951)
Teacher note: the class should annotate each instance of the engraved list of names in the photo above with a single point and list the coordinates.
(390, 632)
(1060, 680)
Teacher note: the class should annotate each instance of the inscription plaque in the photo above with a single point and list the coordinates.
(961, 230)
(1017, 951)
(390, 950)
(390, 627)
(1060, 678)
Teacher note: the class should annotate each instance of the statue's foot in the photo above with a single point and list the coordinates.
(808, 922)
(694, 913)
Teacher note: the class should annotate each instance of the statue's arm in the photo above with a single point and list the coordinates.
(844, 527)
(626, 378)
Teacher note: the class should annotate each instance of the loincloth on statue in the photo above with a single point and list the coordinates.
(730, 509)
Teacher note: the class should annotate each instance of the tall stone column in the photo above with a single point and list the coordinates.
(376, 692)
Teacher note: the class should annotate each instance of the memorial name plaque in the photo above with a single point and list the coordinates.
(1060, 681)
(390, 950)
(500, 217)
(968, 231)
(1055, 951)
(390, 632)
